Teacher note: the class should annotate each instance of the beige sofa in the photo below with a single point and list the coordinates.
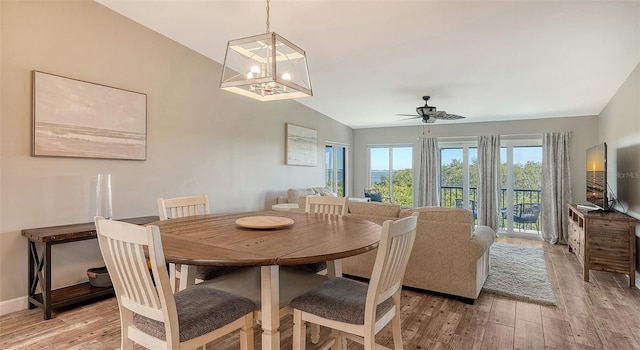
(450, 254)
(298, 195)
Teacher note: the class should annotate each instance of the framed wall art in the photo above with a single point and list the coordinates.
(301, 146)
(73, 118)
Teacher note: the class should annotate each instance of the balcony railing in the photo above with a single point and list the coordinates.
(451, 196)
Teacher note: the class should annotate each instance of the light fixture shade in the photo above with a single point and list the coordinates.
(266, 67)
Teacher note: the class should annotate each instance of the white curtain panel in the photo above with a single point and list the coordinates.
(429, 173)
(489, 181)
(556, 186)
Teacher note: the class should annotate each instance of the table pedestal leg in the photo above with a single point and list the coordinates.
(334, 268)
(270, 296)
(187, 276)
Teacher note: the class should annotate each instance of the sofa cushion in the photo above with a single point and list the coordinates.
(441, 214)
(325, 191)
(294, 194)
(302, 201)
(377, 209)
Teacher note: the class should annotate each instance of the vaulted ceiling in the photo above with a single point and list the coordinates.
(371, 60)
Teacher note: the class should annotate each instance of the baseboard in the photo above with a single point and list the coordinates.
(13, 305)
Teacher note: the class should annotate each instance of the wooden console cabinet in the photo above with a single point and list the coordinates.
(40, 265)
(603, 241)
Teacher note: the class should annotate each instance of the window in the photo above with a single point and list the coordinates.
(336, 168)
(390, 172)
(459, 177)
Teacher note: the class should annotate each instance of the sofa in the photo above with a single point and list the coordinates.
(298, 195)
(450, 253)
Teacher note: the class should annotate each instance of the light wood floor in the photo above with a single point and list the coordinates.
(601, 314)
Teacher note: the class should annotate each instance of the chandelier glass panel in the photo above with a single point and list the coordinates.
(266, 67)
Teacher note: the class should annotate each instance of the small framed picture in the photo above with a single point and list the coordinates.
(301, 146)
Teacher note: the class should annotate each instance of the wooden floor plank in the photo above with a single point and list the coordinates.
(497, 336)
(528, 335)
(557, 333)
(503, 312)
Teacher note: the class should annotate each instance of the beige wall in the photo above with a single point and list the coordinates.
(620, 129)
(200, 139)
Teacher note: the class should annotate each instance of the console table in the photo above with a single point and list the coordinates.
(40, 265)
(604, 241)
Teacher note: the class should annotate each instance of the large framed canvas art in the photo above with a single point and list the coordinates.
(74, 118)
(301, 145)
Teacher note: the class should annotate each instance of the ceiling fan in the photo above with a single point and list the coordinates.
(430, 114)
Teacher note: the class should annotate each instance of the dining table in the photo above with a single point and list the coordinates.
(267, 240)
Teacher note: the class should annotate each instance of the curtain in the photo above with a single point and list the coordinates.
(556, 186)
(429, 173)
(489, 180)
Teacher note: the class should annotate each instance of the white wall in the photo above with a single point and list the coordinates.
(584, 134)
(200, 139)
(620, 129)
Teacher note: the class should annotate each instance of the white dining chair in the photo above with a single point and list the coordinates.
(178, 207)
(183, 206)
(355, 310)
(326, 205)
(150, 314)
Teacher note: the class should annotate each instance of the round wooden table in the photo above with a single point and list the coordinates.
(215, 239)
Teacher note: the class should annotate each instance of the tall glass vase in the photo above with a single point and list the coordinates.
(103, 196)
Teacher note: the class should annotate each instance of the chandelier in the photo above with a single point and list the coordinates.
(265, 67)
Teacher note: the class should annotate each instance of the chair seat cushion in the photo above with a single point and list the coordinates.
(339, 299)
(200, 310)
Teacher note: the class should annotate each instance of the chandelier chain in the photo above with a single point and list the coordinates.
(267, 16)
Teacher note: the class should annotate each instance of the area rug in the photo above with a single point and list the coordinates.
(519, 272)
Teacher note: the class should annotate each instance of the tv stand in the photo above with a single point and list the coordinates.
(603, 240)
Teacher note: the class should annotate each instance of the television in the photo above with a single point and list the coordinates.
(597, 176)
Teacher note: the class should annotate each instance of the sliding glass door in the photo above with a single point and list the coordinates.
(336, 168)
(459, 177)
(521, 187)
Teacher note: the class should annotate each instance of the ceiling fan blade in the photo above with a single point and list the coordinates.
(408, 118)
(408, 115)
(446, 116)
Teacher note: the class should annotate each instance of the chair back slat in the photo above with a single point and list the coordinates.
(122, 246)
(326, 205)
(394, 250)
(183, 206)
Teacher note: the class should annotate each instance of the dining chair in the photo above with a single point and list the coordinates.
(353, 309)
(183, 206)
(150, 314)
(188, 206)
(322, 205)
(326, 205)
